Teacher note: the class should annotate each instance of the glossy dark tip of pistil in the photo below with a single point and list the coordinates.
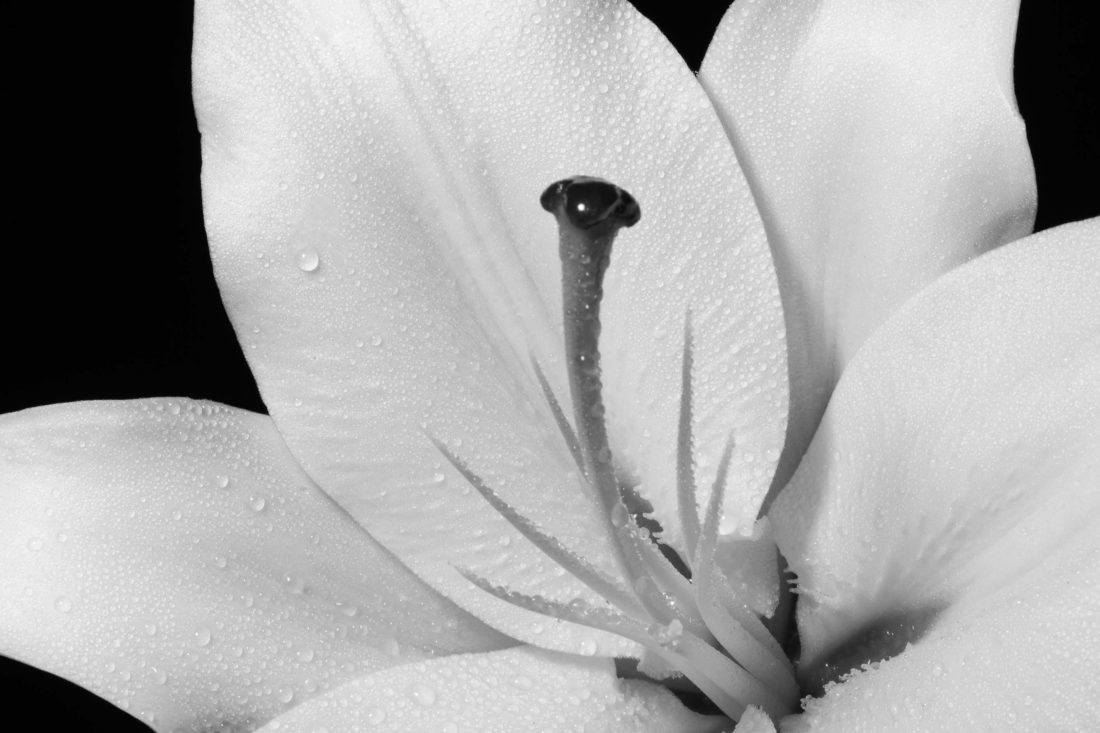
(588, 202)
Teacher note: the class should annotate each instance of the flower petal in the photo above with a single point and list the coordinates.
(1023, 658)
(884, 147)
(372, 174)
(172, 557)
(960, 453)
(516, 689)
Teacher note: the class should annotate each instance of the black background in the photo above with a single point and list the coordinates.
(105, 284)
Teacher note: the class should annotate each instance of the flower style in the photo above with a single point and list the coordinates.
(372, 173)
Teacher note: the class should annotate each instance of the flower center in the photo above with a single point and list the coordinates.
(690, 627)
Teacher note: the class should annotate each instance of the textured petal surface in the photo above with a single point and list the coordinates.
(371, 181)
(950, 497)
(884, 147)
(516, 689)
(172, 557)
(1024, 660)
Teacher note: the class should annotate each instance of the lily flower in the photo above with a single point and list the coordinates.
(530, 471)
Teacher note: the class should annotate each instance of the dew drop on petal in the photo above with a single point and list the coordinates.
(423, 695)
(202, 637)
(618, 515)
(308, 260)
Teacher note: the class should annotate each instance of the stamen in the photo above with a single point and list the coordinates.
(685, 460)
(577, 610)
(559, 417)
(683, 651)
(765, 661)
(588, 574)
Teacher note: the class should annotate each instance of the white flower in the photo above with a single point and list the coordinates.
(371, 176)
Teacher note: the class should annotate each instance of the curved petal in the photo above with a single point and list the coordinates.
(883, 146)
(1021, 659)
(172, 557)
(371, 181)
(516, 689)
(960, 453)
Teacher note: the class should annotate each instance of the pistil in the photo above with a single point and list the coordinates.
(696, 627)
(590, 213)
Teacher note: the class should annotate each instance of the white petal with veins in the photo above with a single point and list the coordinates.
(951, 495)
(371, 181)
(883, 146)
(171, 556)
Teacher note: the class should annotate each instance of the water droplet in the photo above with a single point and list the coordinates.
(588, 648)
(220, 562)
(222, 482)
(150, 629)
(423, 695)
(296, 584)
(391, 647)
(375, 340)
(618, 515)
(63, 604)
(202, 637)
(523, 682)
(286, 695)
(308, 260)
(305, 655)
(438, 477)
(159, 675)
(258, 503)
(376, 716)
(34, 544)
